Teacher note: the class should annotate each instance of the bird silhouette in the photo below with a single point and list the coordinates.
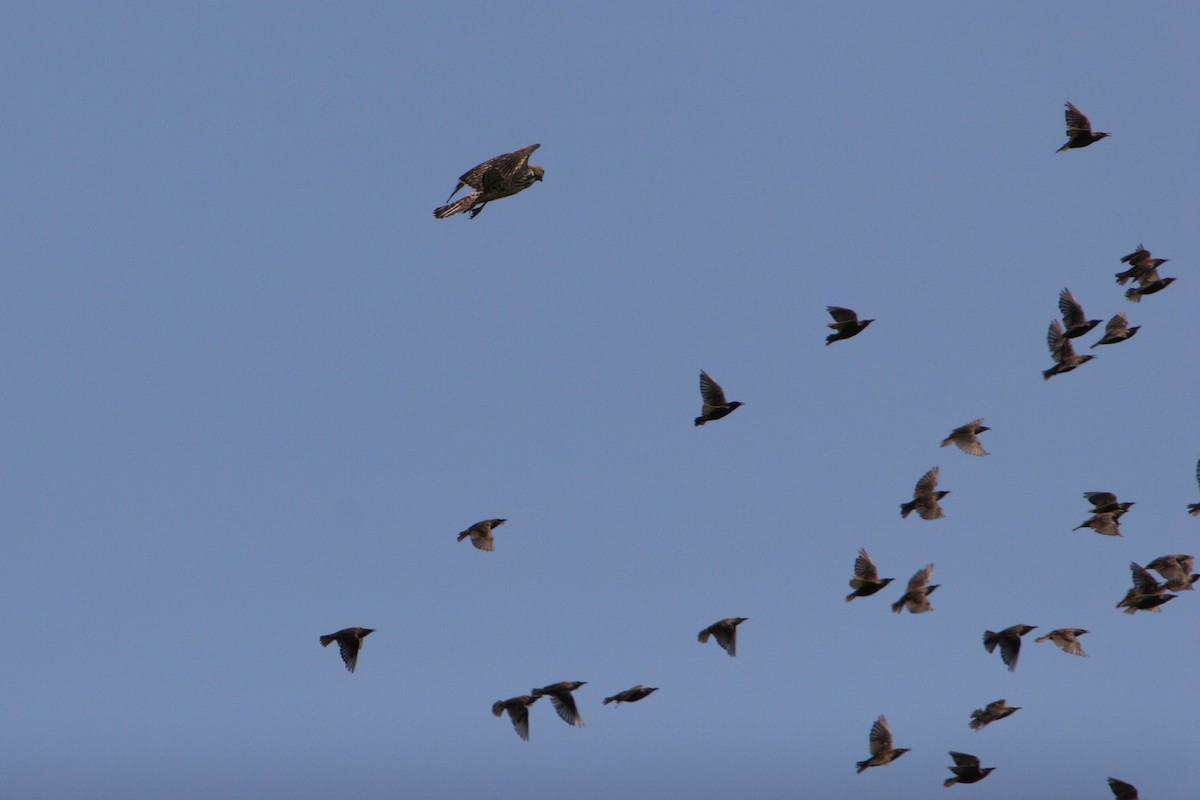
(1009, 641)
(481, 534)
(845, 324)
(725, 632)
(349, 642)
(1079, 130)
(715, 405)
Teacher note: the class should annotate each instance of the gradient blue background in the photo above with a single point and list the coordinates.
(252, 390)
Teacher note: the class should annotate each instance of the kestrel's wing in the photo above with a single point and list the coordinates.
(921, 578)
(711, 391)
(1143, 581)
(927, 484)
(349, 646)
(1071, 310)
(564, 704)
(964, 759)
(841, 314)
(1122, 790)
(1077, 123)
(501, 169)
(726, 636)
(1099, 499)
(864, 567)
(881, 737)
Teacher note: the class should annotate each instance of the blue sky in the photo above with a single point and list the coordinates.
(254, 390)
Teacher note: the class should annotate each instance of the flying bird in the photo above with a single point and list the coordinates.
(882, 752)
(638, 692)
(1106, 523)
(1009, 641)
(1076, 322)
(966, 437)
(1122, 790)
(916, 597)
(925, 498)
(1067, 640)
(481, 534)
(349, 641)
(715, 405)
(495, 178)
(563, 701)
(1140, 264)
(1079, 130)
(725, 632)
(1194, 508)
(992, 712)
(866, 580)
(1107, 503)
(1118, 330)
(966, 769)
(518, 712)
(1176, 572)
(1062, 352)
(1147, 594)
(845, 324)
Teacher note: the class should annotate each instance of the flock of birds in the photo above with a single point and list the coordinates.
(511, 173)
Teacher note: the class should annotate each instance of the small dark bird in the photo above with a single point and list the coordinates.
(638, 692)
(882, 752)
(349, 642)
(1074, 319)
(1009, 640)
(563, 701)
(966, 437)
(925, 499)
(1067, 640)
(1079, 130)
(1118, 330)
(1140, 265)
(1106, 523)
(1150, 284)
(1062, 352)
(481, 534)
(1176, 572)
(845, 324)
(1194, 508)
(518, 712)
(495, 178)
(916, 597)
(1122, 790)
(966, 769)
(725, 632)
(715, 405)
(866, 580)
(1106, 503)
(992, 712)
(1147, 594)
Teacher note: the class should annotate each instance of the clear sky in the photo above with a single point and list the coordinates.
(253, 390)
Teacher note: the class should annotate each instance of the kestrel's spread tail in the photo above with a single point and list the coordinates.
(499, 177)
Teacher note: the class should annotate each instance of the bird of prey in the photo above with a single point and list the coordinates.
(1009, 641)
(1067, 640)
(966, 769)
(1194, 508)
(715, 405)
(563, 701)
(1106, 503)
(481, 534)
(866, 580)
(1147, 594)
(1062, 352)
(1118, 330)
(518, 712)
(349, 642)
(1079, 130)
(916, 597)
(638, 692)
(725, 632)
(1105, 522)
(1140, 264)
(845, 324)
(1076, 322)
(966, 437)
(495, 178)
(1176, 572)
(1122, 790)
(882, 752)
(992, 712)
(925, 498)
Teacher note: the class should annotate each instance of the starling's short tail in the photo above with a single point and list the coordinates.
(457, 207)
(463, 535)
(325, 640)
(703, 637)
(862, 765)
(1133, 296)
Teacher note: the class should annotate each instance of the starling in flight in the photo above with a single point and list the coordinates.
(1076, 322)
(1106, 503)
(1147, 594)
(1067, 640)
(1062, 352)
(725, 632)
(925, 498)
(916, 597)
(882, 752)
(715, 405)
(966, 769)
(845, 324)
(481, 534)
(499, 177)
(966, 437)
(1118, 330)
(1009, 641)
(1106, 522)
(349, 642)
(638, 692)
(518, 712)
(1140, 265)
(1122, 790)
(563, 701)
(1176, 572)
(1079, 130)
(992, 712)
(866, 580)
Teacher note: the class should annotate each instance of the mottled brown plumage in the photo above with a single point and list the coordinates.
(495, 178)
(725, 632)
(966, 438)
(1009, 641)
(715, 405)
(1062, 352)
(349, 641)
(866, 580)
(518, 712)
(882, 752)
(925, 498)
(562, 700)
(916, 596)
(1067, 640)
(992, 712)
(481, 534)
(1079, 130)
(845, 324)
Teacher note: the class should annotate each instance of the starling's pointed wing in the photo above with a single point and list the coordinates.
(1122, 790)
(726, 636)
(997, 707)
(965, 759)
(1071, 310)
(519, 714)
(1143, 581)
(1077, 123)
(881, 737)
(564, 704)
(1137, 256)
(349, 645)
(1100, 499)
(1055, 340)
(921, 578)
(1106, 524)
(711, 391)
(1010, 649)
(1117, 326)
(930, 510)
(864, 567)
(840, 314)
(481, 537)
(928, 483)
(1069, 642)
